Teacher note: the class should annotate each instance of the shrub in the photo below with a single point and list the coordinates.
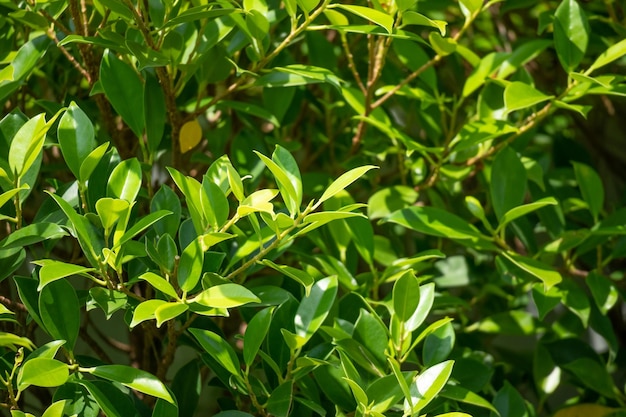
(195, 225)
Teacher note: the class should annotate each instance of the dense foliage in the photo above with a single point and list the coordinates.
(305, 207)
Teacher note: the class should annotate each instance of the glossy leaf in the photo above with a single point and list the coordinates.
(296, 274)
(190, 266)
(145, 311)
(214, 204)
(290, 194)
(428, 384)
(413, 18)
(108, 398)
(571, 34)
(55, 409)
(61, 319)
(27, 144)
(543, 272)
(519, 96)
(159, 283)
(314, 309)
(31, 234)
(133, 378)
(375, 16)
(169, 311)
(226, 296)
(406, 296)
(42, 372)
(124, 89)
(52, 270)
(523, 210)
(76, 137)
(613, 52)
(255, 334)
(89, 164)
(125, 180)
(343, 181)
(218, 348)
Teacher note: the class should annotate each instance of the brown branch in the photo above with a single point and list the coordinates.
(14, 305)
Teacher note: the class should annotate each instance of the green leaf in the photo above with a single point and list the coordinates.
(249, 108)
(509, 402)
(413, 18)
(76, 138)
(194, 14)
(571, 34)
(470, 7)
(296, 274)
(287, 163)
(591, 188)
(61, 319)
(441, 223)
(187, 386)
(288, 190)
(55, 409)
(31, 234)
(406, 296)
(219, 349)
(313, 309)
(42, 372)
(22, 65)
(359, 394)
(428, 384)
(378, 17)
(426, 300)
(169, 311)
(109, 398)
(140, 226)
(438, 345)
(463, 395)
(519, 95)
(133, 378)
(613, 52)
(111, 210)
(537, 269)
(255, 334)
(190, 266)
(7, 196)
(226, 296)
(343, 181)
(522, 54)
(108, 300)
(214, 204)
(508, 182)
(124, 90)
(523, 210)
(28, 143)
(443, 46)
(604, 292)
(511, 323)
(155, 111)
(159, 283)
(52, 270)
(387, 200)
(125, 180)
(296, 75)
(92, 160)
(280, 400)
(145, 311)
